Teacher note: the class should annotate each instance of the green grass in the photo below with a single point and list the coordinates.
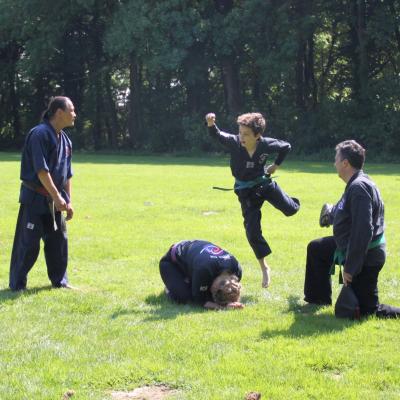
(119, 332)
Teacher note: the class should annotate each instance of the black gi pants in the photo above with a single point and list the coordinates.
(177, 283)
(30, 229)
(251, 201)
(317, 284)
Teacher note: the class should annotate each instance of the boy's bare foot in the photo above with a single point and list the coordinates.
(266, 277)
(266, 272)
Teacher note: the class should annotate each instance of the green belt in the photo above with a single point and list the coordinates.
(339, 256)
(240, 185)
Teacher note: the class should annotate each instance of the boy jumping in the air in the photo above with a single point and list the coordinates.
(253, 185)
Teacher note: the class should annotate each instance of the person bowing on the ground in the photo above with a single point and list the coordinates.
(200, 272)
(253, 185)
(45, 193)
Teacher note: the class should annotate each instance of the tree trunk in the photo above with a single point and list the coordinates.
(306, 89)
(359, 53)
(111, 118)
(230, 76)
(134, 103)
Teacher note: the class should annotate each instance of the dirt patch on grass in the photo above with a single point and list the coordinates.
(159, 392)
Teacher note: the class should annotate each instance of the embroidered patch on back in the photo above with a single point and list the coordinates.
(30, 226)
(213, 250)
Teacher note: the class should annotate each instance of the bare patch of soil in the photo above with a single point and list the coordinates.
(159, 392)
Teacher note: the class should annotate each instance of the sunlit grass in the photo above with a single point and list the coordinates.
(119, 332)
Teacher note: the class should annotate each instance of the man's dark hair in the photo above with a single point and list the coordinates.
(254, 121)
(54, 104)
(353, 152)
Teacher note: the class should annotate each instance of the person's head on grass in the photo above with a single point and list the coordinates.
(225, 289)
(349, 158)
(251, 128)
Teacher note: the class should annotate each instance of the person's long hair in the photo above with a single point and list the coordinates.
(54, 104)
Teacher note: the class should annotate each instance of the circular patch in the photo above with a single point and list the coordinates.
(213, 250)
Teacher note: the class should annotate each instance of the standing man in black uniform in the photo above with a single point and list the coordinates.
(249, 152)
(45, 193)
(201, 272)
(358, 241)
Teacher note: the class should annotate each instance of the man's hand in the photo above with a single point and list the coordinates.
(70, 212)
(60, 203)
(347, 278)
(210, 118)
(270, 169)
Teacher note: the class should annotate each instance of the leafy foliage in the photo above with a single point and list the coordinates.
(143, 73)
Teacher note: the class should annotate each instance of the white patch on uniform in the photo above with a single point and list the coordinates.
(30, 226)
(203, 288)
(340, 205)
(249, 164)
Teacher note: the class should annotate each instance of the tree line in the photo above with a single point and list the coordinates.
(143, 73)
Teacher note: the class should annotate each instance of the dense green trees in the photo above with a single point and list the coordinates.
(142, 73)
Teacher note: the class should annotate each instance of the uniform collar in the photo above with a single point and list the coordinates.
(354, 177)
(53, 131)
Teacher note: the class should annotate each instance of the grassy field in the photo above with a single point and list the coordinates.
(119, 332)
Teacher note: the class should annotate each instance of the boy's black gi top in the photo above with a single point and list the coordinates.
(202, 262)
(358, 220)
(244, 167)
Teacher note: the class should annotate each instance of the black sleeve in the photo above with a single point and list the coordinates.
(361, 230)
(280, 147)
(201, 282)
(226, 139)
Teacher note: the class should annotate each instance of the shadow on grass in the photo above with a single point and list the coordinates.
(162, 308)
(308, 321)
(8, 294)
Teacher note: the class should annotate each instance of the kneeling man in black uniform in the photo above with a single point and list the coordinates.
(358, 242)
(200, 272)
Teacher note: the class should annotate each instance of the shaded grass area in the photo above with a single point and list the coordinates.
(119, 331)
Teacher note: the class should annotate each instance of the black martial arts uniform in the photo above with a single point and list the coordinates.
(248, 169)
(358, 228)
(190, 267)
(37, 219)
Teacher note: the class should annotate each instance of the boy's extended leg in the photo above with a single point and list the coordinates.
(251, 211)
(272, 193)
(317, 283)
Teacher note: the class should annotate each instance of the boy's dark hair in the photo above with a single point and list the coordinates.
(54, 104)
(254, 121)
(353, 152)
(226, 293)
